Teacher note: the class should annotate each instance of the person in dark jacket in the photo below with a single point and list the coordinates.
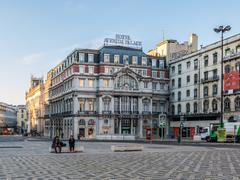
(71, 143)
(57, 145)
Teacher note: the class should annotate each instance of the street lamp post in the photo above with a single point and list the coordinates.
(222, 29)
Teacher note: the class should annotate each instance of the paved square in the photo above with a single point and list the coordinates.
(33, 161)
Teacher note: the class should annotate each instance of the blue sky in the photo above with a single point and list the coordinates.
(35, 35)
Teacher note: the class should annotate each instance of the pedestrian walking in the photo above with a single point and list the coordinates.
(71, 143)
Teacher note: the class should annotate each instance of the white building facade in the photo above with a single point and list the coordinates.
(195, 87)
(108, 91)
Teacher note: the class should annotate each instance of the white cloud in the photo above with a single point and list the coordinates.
(32, 58)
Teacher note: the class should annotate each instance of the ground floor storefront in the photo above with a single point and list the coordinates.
(87, 127)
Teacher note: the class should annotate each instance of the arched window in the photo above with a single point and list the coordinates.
(91, 122)
(238, 49)
(187, 108)
(205, 105)
(173, 109)
(227, 104)
(214, 105)
(126, 82)
(179, 108)
(237, 103)
(195, 106)
(237, 66)
(227, 68)
(81, 122)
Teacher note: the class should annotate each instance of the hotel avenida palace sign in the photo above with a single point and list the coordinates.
(122, 40)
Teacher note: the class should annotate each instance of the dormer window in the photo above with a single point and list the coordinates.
(106, 58)
(125, 59)
(90, 57)
(154, 63)
(134, 60)
(116, 59)
(81, 57)
(144, 61)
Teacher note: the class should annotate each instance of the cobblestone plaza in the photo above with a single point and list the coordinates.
(31, 160)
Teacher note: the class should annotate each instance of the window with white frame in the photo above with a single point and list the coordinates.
(154, 74)
(162, 85)
(144, 72)
(144, 61)
(90, 57)
(90, 105)
(162, 73)
(145, 85)
(134, 60)
(125, 59)
(154, 86)
(91, 69)
(154, 63)
(81, 81)
(81, 105)
(107, 70)
(106, 58)
(140, 72)
(81, 68)
(90, 83)
(161, 64)
(116, 59)
(106, 83)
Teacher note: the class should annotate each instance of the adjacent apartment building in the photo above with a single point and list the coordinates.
(172, 49)
(117, 89)
(22, 121)
(195, 87)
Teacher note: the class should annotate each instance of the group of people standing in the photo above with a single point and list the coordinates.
(57, 144)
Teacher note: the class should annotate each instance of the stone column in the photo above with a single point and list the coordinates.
(112, 105)
(120, 126)
(131, 121)
(76, 105)
(141, 128)
(75, 127)
(100, 107)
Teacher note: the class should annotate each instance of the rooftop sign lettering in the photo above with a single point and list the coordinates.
(122, 40)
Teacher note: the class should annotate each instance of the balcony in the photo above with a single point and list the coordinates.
(91, 112)
(126, 112)
(106, 112)
(211, 79)
(135, 112)
(146, 112)
(231, 56)
(87, 112)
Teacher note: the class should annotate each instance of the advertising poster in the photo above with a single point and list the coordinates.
(221, 134)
